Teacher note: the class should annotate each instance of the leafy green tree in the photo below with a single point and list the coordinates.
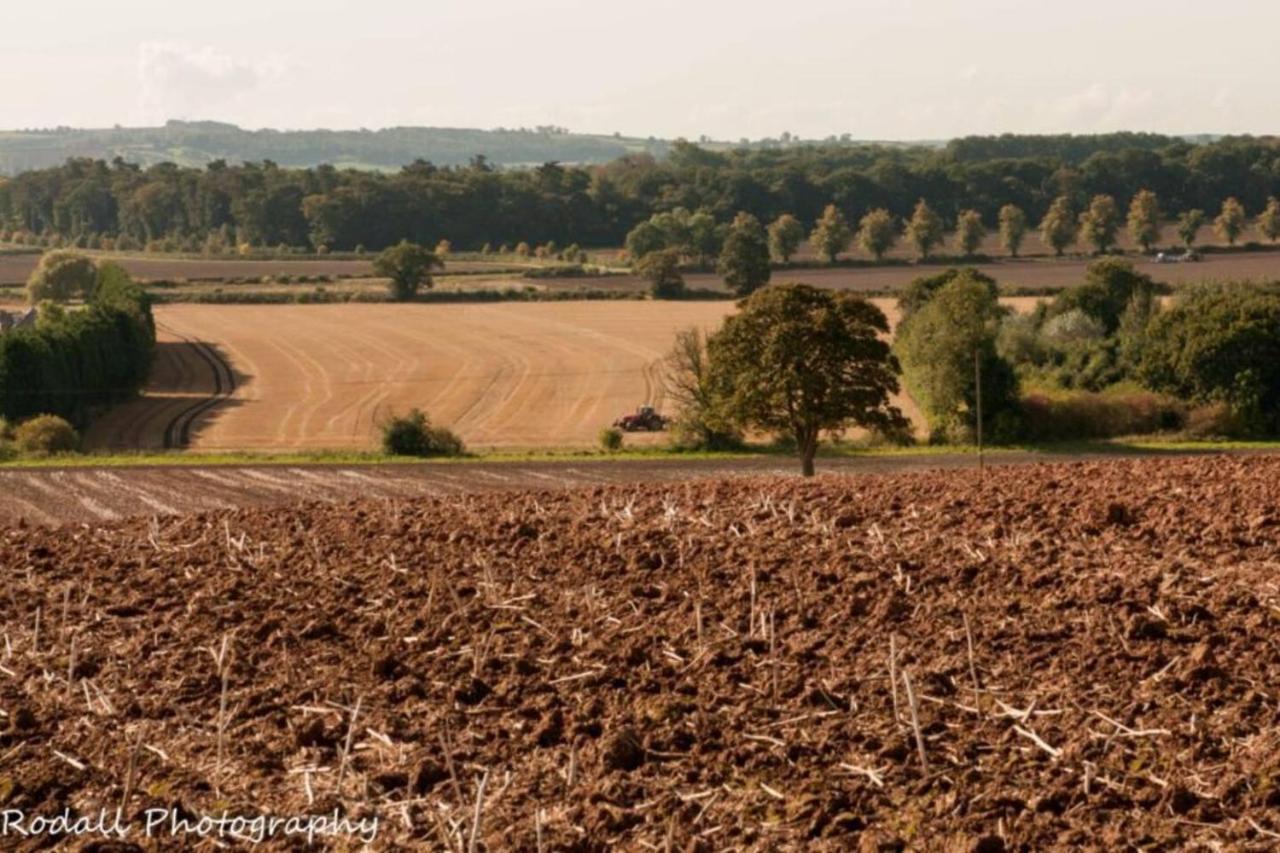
(925, 229)
(744, 260)
(1220, 344)
(831, 234)
(1058, 228)
(705, 239)
(1013, 227)
(1110, 285)
(786, 233)
(798, 360)
(662, 270)
(1269, 220)
(643, 239)
(970, 232)
(920, 290)
(1230, 223)
(61, 276)
(1100, 222)
(1189, 224)
(877, 232)
(408, 266)
(1144, 219)
(940, 345)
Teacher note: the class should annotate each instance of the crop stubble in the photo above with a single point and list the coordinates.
(1088, 652)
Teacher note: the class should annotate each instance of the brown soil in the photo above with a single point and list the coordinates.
(694, 667)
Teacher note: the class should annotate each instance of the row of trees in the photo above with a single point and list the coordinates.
(224, 206)
(76, 359)
(697, 238)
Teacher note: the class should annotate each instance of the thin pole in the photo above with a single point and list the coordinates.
(977, 379)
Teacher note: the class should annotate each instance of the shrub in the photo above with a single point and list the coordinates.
(44, 435)
(611, 439)
(1085, 415)
(413, 435)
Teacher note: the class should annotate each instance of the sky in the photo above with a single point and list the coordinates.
(875, 69)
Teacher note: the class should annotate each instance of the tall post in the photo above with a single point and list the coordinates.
(977, 381)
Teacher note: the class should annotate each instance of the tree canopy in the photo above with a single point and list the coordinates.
(408, 267)
(800, 361)
(744, 260)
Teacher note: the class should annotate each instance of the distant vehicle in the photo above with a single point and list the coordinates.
(1177, 257)
(644, 419)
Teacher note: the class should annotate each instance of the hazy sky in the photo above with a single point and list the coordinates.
(906, 69)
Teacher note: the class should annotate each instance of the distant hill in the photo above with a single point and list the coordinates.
(198, 143)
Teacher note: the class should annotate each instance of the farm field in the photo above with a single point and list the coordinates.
(1037, 274)
(523, 375)
(1062, 657)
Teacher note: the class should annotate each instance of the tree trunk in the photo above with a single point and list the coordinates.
(808, 449)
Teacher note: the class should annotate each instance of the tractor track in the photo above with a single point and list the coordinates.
(177, 433)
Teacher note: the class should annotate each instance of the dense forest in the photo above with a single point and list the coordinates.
(220, 206)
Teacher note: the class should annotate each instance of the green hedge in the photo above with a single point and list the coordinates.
(74, 361)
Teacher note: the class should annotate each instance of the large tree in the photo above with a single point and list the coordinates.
(408, 268)
(925, 229)
(1058, 228)
(831, 234)
(1231, 221)
(941, 342)
(969, 232)
(744, 260)
(61, 276)
(799, 361)
(662, 270)
(1013, 227)
(1220, 344)
(1144, 219)
(1100, 222)
(786, 233)
(877, 232)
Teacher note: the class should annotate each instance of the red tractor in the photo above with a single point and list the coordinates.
(644, 419)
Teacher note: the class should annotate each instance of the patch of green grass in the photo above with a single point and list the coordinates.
(842, 450)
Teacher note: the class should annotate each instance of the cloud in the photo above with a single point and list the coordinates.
(184, 81)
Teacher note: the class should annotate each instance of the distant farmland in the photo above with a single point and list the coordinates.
(284, 377)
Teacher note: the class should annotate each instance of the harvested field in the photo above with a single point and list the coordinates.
(513, 374)
(1082, 659)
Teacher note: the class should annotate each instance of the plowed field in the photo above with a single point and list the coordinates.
(1064, 657)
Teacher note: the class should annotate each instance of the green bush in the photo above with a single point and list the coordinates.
(1220, 344)
(413, 435)
(611, 439)
(44, 435)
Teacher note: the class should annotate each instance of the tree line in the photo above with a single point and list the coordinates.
(221, 207)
